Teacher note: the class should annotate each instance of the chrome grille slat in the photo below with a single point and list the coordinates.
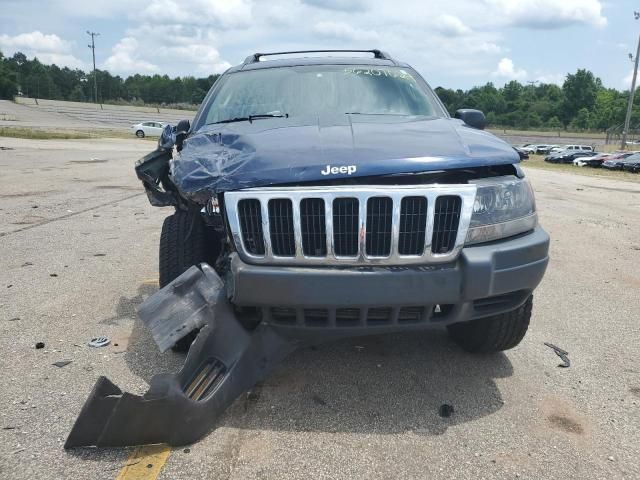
(312, 227)
(378, 233)
(413, 223)
(281, 221)
(447, 217)
(345, 227)
(251, 225)
(351, 225)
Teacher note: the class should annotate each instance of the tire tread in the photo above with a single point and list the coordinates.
(493, 334)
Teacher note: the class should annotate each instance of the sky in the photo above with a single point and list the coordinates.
(452, 43)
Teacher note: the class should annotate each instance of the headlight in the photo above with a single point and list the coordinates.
(504, 207)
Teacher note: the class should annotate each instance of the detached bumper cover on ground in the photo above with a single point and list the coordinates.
(224, 361)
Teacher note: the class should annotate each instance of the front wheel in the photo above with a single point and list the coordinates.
(493, 334)
(183, 243)
(140, 134)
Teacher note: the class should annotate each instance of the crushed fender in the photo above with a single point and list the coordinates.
(224, 361)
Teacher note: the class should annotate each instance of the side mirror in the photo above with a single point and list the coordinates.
(167, 138)
(181, 133)
(473, 118)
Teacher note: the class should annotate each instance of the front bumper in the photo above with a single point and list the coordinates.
(485, 280)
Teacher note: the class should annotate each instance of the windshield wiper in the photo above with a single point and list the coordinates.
(251, 118)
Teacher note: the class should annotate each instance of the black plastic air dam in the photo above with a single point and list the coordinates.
(224, 361)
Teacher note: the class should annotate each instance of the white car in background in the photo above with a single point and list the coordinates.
(580, 148)
(147, 129)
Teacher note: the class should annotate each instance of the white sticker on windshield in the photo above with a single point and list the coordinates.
(379, 72)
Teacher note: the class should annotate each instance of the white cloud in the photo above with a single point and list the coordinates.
(451, 25)
(507, 70)
(48, 48)
(344, 31)
(626, 81)
(189, 51)
(549, 14)
(35, 41)
(340, 5)
(454, 43)
(221, 14)
(125, 58)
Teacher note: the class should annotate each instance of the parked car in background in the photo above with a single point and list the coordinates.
(588, 148)
(568, 156)
(147, 129)
(524, 154)
(531, 148)
(617, 162)
(594, 161)
(632, 163)
(544, 149)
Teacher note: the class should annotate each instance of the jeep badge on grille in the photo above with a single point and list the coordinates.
(329, 170)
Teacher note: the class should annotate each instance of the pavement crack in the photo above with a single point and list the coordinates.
(68, 215)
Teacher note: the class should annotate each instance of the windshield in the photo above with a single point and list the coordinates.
(321, 89)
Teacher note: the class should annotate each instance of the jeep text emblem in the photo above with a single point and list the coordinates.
(329, 170)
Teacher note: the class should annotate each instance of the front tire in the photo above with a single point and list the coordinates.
(183, 243)
(140, 134)
(493, 334)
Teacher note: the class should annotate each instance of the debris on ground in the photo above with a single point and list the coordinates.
(561, 353)
(53, 274)
(445, 410)
(39, 345)
(99, 254)
(14, 319)
(99, 342)
(61, 363)
(27, 264)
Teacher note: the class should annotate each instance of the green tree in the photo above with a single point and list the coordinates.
(581, 120)
(580, 91)
(8, 83)
(554, 123)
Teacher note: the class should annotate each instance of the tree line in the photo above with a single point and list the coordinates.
(581, 103)
(31, 78)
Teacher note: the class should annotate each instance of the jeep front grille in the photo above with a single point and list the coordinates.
(341, 225)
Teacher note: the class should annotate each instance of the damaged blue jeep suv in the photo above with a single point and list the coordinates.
(319, 197)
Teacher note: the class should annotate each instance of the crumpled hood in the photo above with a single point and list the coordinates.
(233, 156)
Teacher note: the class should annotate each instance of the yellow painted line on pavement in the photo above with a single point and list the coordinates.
(145, 463)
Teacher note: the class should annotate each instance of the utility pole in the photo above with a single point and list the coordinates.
(93, 51)
(632, 92)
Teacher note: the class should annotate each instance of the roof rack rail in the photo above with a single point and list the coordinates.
(376, 54)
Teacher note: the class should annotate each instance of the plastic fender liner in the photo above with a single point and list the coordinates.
(224, 361)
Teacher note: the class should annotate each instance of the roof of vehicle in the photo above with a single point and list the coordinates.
(380, 59)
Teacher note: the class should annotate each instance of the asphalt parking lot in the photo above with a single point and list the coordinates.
(78, 243)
